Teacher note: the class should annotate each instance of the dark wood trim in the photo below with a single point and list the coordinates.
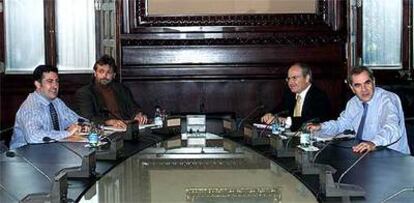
(50, 30)
(406, 39)
(140, 22)
(2, 36)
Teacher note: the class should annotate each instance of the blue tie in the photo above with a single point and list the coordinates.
(53, 114)
(362, 122)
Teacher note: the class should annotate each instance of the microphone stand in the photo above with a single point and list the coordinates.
(339, 189)
(88, 161)
(59, 185)
(247, 116)
(406, 189)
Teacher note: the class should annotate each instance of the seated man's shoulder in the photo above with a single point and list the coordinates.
(388, 95)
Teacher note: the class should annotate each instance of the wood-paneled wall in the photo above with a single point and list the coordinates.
(229, 63)
(213, 63)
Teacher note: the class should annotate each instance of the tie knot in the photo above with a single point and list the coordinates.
(298, 97)
(364, 104)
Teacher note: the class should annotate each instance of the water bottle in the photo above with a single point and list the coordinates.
(275, 128)
(305, 138)
(93, 137)
(157, 117)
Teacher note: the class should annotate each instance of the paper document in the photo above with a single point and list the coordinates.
(150, 125)
(114, 129)
(261, 126)
(329, 138)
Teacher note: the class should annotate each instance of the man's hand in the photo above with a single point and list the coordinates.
(313, 127)
(141, 118)
(116, 123)
(267, 118)
(74, 129)
(363, 147)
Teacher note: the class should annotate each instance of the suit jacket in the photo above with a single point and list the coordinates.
(91, 105)
(315, 106)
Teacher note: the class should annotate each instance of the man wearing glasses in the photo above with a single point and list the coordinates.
(374, 113)
(304, 101)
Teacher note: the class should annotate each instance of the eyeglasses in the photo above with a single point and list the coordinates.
(293, 78)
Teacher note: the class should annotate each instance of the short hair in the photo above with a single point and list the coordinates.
(40, 69)
(306, 70)
(105, 60)
(358, 70)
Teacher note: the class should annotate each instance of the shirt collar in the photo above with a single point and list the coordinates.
(43, 100)
(304, 92)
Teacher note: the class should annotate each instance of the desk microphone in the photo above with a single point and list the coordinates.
(346, 132)
(379, 148)
(88, 162)
(12, 154)
(405, 189)
(248, 115)
(50, 140)
(275, 117)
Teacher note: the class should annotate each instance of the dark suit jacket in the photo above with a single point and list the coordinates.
(91, 105)
(316, 105)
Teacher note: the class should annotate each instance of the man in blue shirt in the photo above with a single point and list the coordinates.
(42, 114)
(374, 113)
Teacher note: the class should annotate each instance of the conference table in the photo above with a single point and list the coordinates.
(220, 171)
(161, 167)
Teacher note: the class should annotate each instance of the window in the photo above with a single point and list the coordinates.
(382, 33)
(379, 33)
(29, 44)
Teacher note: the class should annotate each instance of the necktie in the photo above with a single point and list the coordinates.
(53, 114)
(362, 122)
(297, 112)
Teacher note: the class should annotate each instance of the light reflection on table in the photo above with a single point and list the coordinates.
(213, 173)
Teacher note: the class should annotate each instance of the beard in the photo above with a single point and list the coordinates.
(103, 81)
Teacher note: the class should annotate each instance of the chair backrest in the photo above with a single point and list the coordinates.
(3, 147)
(409, 126)
(5, 136)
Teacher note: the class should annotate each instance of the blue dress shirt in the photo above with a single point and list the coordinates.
(33, 121)
(384, 122)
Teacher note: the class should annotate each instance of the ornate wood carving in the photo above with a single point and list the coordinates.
(327, 15)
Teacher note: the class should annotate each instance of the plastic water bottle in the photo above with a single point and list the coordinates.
(305, 138)
(93, 137)
(275, 128)
(157, 117)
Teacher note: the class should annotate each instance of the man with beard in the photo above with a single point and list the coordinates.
(105, 101)
(43, 114)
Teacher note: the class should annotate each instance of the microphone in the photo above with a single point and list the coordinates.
(88, 161)
(248, 115)
(405, 189)
(381, 147)
(346, 132)
(12, 154)
(58, 191)
(349, 168)
(275, 117)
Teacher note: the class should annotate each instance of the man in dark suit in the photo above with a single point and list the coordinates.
(304, 101)
(105, 101)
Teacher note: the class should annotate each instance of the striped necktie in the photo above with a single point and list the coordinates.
(362, 122)
(55, 119)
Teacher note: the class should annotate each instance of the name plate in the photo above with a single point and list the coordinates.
(227, 125)
(248, 132)
(173, 122)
